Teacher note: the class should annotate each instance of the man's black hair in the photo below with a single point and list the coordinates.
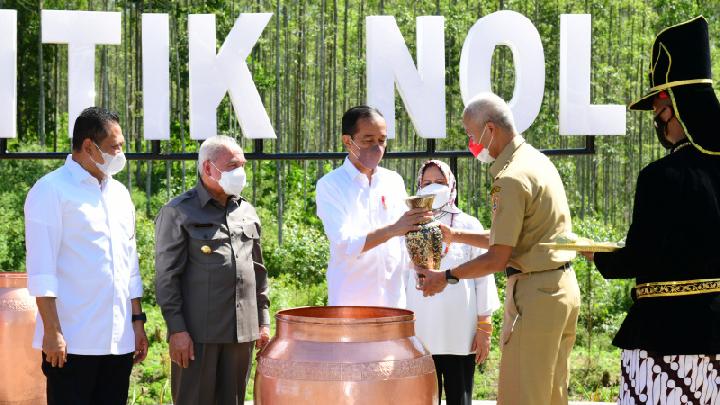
(93, 123)
(355, 114)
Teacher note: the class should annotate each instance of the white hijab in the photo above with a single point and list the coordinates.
(451, 207)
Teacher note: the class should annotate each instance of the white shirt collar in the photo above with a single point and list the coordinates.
(355, 174)
(80, 174)
(351, 170)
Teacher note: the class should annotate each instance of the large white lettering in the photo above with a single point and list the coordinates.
(156, 76)
(519, 34)
(577, 116)
(389, 65)
(422, 89)
(81, 31)
(8, 73)
(212, 75)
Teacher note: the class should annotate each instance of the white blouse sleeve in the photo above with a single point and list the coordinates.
(485, 290)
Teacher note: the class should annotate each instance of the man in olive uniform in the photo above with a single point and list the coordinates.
(210, 280)
(671, 335)
(542, 302)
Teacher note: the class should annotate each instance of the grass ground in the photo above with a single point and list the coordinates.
(593, 375)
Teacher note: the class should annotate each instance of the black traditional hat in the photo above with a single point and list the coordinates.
(681, 66)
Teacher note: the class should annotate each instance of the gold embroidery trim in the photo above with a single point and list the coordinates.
(677, 288)
(685, 129)
(677, 148)
(667, 85)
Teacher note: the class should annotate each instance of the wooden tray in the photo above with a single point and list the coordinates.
(584, 247)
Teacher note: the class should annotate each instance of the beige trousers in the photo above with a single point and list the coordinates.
(541, 311)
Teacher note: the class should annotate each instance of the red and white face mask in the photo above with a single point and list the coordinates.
(479, 150)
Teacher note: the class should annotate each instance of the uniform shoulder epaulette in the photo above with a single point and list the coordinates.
(501, 171)
(182, 197)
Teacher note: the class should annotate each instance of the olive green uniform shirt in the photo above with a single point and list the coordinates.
(210, 278)
(529, 206)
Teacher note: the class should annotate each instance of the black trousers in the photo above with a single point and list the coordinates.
(89, 380)
(455, 373)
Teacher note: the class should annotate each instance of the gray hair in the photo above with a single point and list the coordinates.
(211, 148)
(488, 107)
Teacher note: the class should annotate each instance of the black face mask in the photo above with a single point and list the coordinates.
(661, 130)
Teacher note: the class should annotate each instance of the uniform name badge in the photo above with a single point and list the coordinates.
(494, 198)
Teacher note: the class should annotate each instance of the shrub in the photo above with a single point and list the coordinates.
(303, 255)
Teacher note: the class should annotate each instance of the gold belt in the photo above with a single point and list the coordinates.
(677, 288)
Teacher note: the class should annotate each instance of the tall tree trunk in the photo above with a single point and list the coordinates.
(278, 128)
(41, 85)
(333, 94)
(57, 90)
(345, 62)
(126, 85)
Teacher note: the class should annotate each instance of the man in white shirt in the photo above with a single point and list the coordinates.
(82, 266)
(362, 207)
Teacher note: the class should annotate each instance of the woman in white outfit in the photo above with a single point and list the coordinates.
(454, 325)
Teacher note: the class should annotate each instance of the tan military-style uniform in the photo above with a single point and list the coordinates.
(211, 282)
(542, 302)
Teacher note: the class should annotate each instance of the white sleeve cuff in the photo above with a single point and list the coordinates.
(136, 287)
(42, 285)
(486, 295)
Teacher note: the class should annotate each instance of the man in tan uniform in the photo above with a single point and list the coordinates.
(542, 300)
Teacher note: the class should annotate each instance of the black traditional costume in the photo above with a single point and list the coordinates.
(671, 335)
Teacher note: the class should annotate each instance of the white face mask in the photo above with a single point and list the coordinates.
(441, 191)
(232, 182)
(113, 163)
(483, 154)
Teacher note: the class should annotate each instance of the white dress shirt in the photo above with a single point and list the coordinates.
(446, 322)
(351, 207)
(80, 238)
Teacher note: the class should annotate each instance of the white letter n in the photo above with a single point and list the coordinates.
(422, 89)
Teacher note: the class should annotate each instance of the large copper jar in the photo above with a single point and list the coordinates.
(22, 381)
(345, 355)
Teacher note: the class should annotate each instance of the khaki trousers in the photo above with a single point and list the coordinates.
(217, 376)
(541, 311)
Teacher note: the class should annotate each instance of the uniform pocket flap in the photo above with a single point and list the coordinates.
(250, 230)
(212, 232)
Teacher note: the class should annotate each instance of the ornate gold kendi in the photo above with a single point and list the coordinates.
(424, 245)
(23, 381)
(345, 355)
(421, 201)
(677, 288)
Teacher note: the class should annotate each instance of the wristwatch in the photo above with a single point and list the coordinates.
(450, 278)
(139, 317)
